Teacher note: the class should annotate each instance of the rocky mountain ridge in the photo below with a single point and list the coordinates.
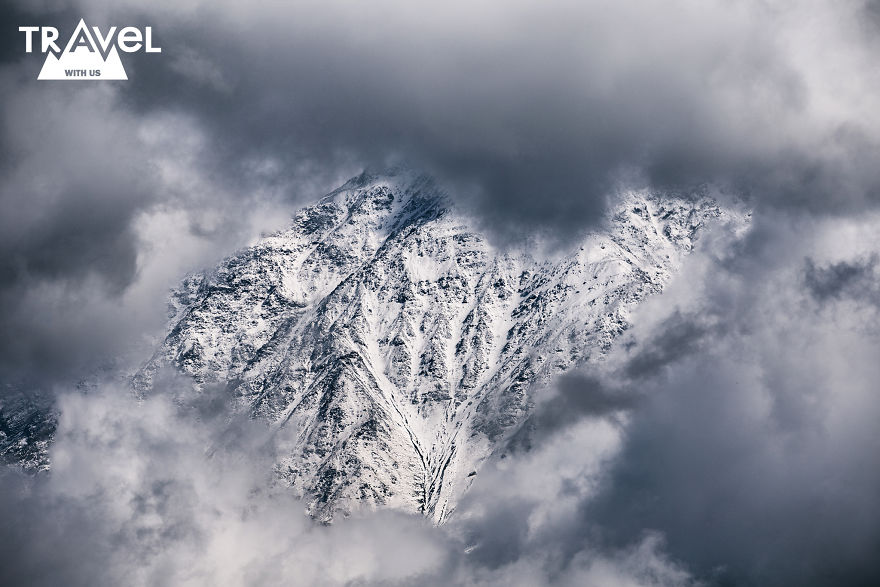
(393, 349)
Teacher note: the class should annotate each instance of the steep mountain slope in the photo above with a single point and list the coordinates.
(27, 427)
(393, 348)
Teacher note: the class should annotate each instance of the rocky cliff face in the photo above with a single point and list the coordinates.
(394, 349)
(27, 427)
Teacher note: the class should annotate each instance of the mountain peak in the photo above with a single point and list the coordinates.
(393, 350)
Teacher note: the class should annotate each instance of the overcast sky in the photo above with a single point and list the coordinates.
(732, 441)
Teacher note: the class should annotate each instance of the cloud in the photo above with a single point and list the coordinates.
(733, 424)
(679, 336)
(533, 115)
(176, 489)
(103, 210)
(732, 438)
(144, 493)
(855, 279)
(754, 451)
(726, 440)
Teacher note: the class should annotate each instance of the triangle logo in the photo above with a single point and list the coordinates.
(82, 59)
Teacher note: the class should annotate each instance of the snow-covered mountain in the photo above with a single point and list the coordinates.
(394, 348)
(27, 427)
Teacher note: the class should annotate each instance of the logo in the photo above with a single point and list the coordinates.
(89, 54)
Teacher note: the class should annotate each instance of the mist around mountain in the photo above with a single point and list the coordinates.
(429, 382)
(377, 394)
(394, 349)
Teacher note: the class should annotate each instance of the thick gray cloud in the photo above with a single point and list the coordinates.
(102, 209)
(536, 113)
(533, 116)
(145, 493)
(856, 279)
(735, 422)
(679, 336)
(754, 452)
(732, 438)
(170, 491)
(573, 397)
